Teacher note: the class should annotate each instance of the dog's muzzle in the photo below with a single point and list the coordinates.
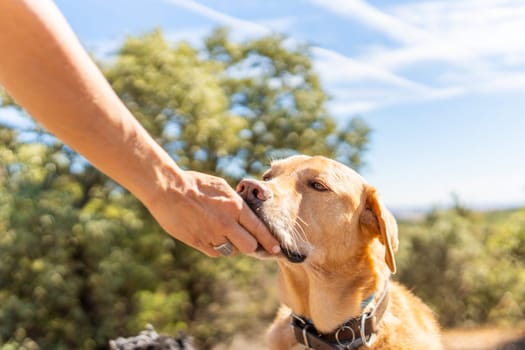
(255, 194)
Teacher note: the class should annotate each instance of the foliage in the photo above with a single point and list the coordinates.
(279, 94)
(469, 266)
(55, 283)
(81, 261)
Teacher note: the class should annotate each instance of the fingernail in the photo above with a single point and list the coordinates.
(276, 249)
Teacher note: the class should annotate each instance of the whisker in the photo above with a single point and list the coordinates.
(299, 233)
(299, 226)
(300, 219)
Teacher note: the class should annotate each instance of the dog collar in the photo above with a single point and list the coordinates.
(354, 333)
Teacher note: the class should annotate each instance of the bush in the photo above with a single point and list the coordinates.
(470, 267)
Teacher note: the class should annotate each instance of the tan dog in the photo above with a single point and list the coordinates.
(338, 243)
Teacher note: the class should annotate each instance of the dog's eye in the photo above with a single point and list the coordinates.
(316, 185)
(267, 177)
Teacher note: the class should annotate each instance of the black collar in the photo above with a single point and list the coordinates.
(352, 334)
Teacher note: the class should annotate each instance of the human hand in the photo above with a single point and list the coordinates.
(203, 211)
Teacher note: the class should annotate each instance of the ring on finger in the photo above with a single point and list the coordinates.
(225, 249)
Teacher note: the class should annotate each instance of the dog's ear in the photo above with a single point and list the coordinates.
(377, 219)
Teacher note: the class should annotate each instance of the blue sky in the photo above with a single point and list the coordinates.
(441, 83)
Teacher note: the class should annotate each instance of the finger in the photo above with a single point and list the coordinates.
(242, 240)
(258, 229)
(205, 246)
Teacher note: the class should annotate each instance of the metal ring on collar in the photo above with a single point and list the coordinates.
(305, 337)
(346, 343)
(366, 343)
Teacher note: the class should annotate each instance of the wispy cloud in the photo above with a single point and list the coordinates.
(461, 32)
(336, 67)
(454, 31)
(247, 27)
(357, 87)
(389, 25)
(279, 24)
(463, 46)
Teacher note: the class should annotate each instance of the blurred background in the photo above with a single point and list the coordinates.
(424, 98)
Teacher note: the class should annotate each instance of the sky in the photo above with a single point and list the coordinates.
(441, 83)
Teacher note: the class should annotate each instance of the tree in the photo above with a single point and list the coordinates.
(82, 261)
(272, 84)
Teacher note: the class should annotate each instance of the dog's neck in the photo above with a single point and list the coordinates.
(328, 299)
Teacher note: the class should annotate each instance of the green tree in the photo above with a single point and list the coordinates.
(81, 261)
(272, 84)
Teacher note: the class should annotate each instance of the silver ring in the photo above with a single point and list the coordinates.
(225, 249)
(348, 343)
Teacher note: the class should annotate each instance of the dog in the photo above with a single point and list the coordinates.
(337, 254)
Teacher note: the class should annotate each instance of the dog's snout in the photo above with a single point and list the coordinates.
(253, 191)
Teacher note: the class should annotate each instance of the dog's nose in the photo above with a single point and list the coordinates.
(253, 190)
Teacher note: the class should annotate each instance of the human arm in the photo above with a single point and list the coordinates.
(45, 69)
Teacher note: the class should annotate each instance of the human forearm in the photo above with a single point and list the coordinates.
(47, 71)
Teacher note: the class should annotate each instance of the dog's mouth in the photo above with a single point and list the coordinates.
(290, 255)
(293, 257)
